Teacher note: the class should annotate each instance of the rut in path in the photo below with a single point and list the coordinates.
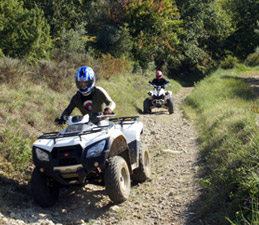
(165, 199)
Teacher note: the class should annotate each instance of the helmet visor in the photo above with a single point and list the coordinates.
(84, 85)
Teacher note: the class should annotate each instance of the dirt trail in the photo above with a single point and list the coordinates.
(166, 199)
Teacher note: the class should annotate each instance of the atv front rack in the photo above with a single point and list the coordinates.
(120, 120)
(56, 135)
(125, 120)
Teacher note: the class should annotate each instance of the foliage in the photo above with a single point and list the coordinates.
(186, 39)
(16, 152)
(253, 59)
(229, 62)
(244, 40)
(154, 26)
(205, 28)
(242, 219)
(24, 33)
(60, 15)
(110, 66)
(226, 109)
(10, 70)
(113, 40)
(140, 28)
(72, 40)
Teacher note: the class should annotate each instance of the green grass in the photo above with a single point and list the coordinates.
(225, 109)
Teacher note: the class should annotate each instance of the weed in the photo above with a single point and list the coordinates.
(229, 62)
(121, 214)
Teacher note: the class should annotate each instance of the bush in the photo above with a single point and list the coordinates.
(229, 62)
(11, 70)
(114, 40)
(15, 153)
(253, 59)
(72, 41)
(110, 66)
(24, 33)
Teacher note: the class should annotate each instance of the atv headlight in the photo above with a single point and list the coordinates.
(96, 150)
(41, 155)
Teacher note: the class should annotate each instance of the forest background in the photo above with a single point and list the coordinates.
(184, 39)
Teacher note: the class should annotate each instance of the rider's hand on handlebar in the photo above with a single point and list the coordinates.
(107, 111)
(60, 120)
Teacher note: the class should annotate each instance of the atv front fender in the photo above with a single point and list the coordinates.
(120, 147)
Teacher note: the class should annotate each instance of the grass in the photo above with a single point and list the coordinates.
(225, 109)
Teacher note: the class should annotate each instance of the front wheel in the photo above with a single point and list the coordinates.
(146, 106)
(117, 179)
(143, 172)
(170, 106)
(44, 189)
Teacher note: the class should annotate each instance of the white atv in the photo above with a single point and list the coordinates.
(158, 98)
(90, 150)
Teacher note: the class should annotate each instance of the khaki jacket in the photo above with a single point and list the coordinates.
(100, 98)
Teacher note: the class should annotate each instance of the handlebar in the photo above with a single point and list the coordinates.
(94, 117)
(155, 86)
(105, 115)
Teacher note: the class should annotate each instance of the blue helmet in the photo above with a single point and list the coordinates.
(85, 80)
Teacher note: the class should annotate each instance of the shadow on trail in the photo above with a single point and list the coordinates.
(159, 111)
(12, 193)
(139, 110)
(253, 82)
(193, 213)
(75, 203)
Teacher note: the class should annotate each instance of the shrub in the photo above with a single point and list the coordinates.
(110, 66)
(15, 152)
(253, 59)
(72, 41)
(24, 33)
(229, 62)
(113, 40)
(10, 70)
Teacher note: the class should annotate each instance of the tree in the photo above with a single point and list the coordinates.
(154, 27)
(73, 40)
(206, 26)
(244, 15)
(24, 33)
(114, 40)
(61, 14)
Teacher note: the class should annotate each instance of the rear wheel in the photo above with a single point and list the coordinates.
(44, 189)
(170, 106)
(117, 179)
(146, 106)
(143, 172)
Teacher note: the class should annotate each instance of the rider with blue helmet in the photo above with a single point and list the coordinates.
(89, 98)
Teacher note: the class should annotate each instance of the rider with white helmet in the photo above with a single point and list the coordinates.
(89, 98)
